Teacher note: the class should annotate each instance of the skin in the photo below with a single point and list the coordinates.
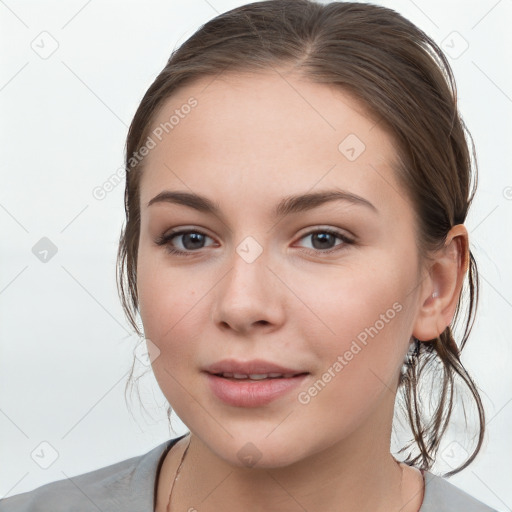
(251, 140)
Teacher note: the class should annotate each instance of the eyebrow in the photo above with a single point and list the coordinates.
(287, 206)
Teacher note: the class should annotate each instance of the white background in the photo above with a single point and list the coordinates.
(65, 346)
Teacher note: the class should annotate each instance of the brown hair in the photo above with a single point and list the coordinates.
(403, 77)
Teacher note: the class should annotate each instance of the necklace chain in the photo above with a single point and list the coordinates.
(168, 508)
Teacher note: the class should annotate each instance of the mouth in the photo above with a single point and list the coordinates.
(255, 377)
(253, 390)
(255, 369)
(253, 383)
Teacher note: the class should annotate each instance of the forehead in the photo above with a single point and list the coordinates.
(263, 131)
(264, 104)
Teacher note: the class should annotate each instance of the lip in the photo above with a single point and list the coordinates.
(251, 393)
(241, 393)
(255, 366)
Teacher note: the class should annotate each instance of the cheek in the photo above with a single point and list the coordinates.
(364, 318)
(169, 302)
(173, 320)
(361, 361)
(349, 301)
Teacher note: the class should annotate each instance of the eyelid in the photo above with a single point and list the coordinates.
(166, 237)
(336, 232)
(320, 228)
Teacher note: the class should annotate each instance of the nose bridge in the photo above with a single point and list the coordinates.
(248, 294)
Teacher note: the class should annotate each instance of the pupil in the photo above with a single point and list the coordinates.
(195, 238)
(325, 238)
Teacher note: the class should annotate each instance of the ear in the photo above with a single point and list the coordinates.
(441, 289)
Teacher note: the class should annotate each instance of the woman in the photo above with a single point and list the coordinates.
(298, 179)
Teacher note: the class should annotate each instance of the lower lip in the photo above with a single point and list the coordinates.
(251, 393)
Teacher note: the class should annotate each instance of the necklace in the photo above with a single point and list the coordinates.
(168, 508)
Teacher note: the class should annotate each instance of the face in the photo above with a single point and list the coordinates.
(292, 243)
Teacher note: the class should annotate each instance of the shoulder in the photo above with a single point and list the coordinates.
(123, 486)
(443, 496)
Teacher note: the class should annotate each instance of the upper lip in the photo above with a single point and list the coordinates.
(253, 367)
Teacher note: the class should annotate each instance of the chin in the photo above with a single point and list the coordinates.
(258, 451)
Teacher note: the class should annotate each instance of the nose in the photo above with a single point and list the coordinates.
(249, 297)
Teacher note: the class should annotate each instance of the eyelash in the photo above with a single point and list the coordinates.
(166, 240)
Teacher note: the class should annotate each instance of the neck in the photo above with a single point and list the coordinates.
(319, 482)
(355, 474)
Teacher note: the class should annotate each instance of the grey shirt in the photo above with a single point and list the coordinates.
(130, 486)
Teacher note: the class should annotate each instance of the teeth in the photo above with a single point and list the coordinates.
(257, 376)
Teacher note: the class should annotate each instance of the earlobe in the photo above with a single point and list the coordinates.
(441, 290)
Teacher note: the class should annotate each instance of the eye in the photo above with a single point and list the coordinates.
(188, 241)
(191, 241)
(323, 240)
